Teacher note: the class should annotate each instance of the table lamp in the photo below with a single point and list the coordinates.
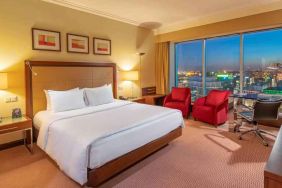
(3, 84)
(130, 76)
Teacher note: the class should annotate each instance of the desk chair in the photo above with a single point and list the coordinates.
(262, 110)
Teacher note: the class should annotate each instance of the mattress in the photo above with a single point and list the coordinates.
(108, 146)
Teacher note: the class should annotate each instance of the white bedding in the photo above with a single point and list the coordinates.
(108, 132)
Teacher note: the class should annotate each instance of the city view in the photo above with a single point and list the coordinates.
(262, 63)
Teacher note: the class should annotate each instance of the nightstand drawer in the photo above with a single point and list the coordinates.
(16, 126)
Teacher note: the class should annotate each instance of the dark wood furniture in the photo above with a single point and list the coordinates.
(9, 125)
(101, 174)
(138, 100)
(154, 99)
(151, 97)
(273, 167)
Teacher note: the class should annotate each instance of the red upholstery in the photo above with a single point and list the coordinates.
(179, 98)
(213, 108)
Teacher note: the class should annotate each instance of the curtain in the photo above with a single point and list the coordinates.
(162, 67)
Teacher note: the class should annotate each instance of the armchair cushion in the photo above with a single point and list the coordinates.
(215, 97)
(175, 105)
(179, 94)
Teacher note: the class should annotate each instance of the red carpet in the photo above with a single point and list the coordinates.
(203, 157)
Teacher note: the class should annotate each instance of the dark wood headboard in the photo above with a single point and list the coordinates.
(55, 75)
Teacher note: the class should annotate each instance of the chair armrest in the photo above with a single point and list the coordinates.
(223, 104)
(200, 101)
(188, 100)
(167, 99)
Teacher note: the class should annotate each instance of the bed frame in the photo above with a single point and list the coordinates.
(99, 175)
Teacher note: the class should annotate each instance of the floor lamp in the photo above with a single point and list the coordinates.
(140, 71)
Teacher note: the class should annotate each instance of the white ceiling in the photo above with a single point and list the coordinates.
(170, 15)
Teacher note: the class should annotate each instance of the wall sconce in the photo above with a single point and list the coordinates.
(130, 76)
(3, 80)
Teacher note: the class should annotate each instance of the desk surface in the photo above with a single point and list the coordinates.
(257, 97)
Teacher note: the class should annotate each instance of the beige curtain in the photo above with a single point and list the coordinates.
(162, 67)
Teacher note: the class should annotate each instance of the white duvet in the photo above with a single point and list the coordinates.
(67, 136)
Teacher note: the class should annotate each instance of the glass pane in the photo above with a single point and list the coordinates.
(188, 58)
(262, 62)
(223, 63)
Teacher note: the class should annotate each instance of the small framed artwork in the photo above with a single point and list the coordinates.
(102, 46)
(77, 43)
(46, 40)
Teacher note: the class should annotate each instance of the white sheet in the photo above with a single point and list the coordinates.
(63, 138)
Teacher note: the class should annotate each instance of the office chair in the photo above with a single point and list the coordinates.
(262, 110)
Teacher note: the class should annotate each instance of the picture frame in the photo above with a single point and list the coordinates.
(77, 43)
(102, 46)
(46, 40)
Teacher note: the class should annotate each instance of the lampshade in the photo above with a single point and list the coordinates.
(129, 75)
(3, 80)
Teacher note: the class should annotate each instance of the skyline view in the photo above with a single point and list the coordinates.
(262, 61)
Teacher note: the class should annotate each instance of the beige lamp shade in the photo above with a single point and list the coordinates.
(3, 80)
(129, 75)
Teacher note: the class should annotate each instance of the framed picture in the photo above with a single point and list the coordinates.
(46, 40)
(102, 46)
(77, 43)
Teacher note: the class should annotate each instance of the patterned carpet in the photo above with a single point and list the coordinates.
(203, 157)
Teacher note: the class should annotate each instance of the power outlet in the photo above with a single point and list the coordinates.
(14, 99)
(11, 99)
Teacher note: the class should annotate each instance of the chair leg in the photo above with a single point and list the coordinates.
(243, 133)
(264, 132)
(264, 142)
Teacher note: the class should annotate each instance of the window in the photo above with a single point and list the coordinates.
(262, 61)
(260, 69)
(188, 57)
(223, 63)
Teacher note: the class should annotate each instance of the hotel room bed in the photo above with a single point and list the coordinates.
(94, 143)
(102, 133)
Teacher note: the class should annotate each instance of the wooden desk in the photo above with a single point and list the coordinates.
(9, 125)
(154, 99)
(138, 100)
(273, 167)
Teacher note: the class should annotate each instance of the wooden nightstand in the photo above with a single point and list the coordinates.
(9, 125)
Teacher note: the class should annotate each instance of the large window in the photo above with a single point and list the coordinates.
(260, 68)
(223, 63)
(262, 61)
(189, 66)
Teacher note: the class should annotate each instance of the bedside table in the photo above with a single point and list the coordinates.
(9, 125)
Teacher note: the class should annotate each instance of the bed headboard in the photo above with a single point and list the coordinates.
(56, 75)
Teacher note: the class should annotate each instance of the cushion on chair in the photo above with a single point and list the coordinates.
(205, 110)
(175, 105)
(179, 94)
(215, 97)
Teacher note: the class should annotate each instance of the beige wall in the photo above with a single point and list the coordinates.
(249, 23)
(17, 17)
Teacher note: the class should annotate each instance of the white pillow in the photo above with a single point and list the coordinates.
(66, 100)
(99, 95)
(48, 97)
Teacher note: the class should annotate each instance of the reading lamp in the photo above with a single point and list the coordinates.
(130, 76)
(3, 84)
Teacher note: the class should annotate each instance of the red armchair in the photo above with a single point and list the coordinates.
(213, 108)
(179, 98)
